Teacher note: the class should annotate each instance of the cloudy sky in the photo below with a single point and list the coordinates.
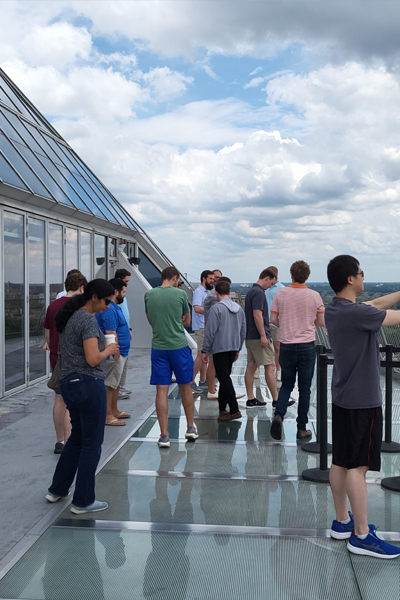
(239, 134)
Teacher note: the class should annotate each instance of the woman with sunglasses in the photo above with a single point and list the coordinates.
(83, 352)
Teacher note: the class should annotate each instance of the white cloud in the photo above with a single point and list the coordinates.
(257, 70)
(255, 82)
(165, 83)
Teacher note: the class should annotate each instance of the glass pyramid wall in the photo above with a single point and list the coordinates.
(34, 158)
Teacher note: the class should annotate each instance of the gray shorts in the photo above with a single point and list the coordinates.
(116, 371)
(259, 355)
(274, 332)
(199, 337)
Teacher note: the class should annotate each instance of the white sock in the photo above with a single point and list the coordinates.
(345, 522)
(362, 537)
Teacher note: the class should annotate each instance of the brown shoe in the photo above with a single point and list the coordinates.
(236, 415)
(224, 415)
(302, 434)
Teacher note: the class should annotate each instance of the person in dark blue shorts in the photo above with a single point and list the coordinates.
(168, 312)
(356, 402)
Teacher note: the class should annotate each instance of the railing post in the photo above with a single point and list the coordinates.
(321, 474)
(314, 447)
(387, 444)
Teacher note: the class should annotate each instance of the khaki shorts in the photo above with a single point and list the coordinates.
(199, 336)
(274, 332)
(116, 371)
(259, 355)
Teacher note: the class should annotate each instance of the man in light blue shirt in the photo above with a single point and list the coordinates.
(269, 294)
(199, 295)
(125, 275)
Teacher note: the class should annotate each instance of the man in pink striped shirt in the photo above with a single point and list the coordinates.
(296, 310)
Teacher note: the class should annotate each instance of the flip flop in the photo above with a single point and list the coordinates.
(116, 423)
(122, 415)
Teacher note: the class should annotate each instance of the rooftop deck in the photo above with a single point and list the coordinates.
(228, 516)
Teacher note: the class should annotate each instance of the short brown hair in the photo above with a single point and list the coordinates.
(223, 278)
(223, 288)
(275, 270)
(74, 282)
(122, 273)
(169, 272)
(72, 271)
(300, 271)
(267, 273)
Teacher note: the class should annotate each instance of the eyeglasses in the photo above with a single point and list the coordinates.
(107, 301)
(361, 273)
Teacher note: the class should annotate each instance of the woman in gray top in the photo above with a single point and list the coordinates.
(83, 353)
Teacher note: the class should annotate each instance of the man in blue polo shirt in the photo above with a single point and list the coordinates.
(199, 295)
(112, 321)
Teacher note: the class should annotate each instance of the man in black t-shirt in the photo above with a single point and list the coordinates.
(260, 348)
(356, 402)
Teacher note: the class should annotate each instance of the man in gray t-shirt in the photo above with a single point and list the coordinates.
(356, 402)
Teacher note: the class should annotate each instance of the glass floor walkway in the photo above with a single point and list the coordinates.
(227, 517)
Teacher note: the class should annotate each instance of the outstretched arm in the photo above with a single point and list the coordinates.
(385, 302)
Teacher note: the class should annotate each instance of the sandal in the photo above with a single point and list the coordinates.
(116, 423)
(122, 415)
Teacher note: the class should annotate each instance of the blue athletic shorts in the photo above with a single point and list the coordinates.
(163, 362)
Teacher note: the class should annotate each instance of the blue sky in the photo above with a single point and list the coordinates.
(238, 134)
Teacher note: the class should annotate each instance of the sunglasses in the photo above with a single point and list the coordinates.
(361, 273)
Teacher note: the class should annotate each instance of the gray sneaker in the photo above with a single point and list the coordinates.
(196, 389)
(191, 433)
(164, 442)
(96, 506)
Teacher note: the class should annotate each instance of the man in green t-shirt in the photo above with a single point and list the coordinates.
(168, 312)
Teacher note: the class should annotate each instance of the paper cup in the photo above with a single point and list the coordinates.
(110, 338)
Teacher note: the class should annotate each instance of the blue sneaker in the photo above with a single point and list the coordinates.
(164, 442)
(203, 384)
(191, 433)
(339, 531)
(372, 546)
(196, 389)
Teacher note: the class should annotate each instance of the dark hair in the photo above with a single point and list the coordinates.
(340, 269)
(223, 278)
(205, 274)
(73, 271)
(274, 270)
(223, 288)
(74, 282)
(169, 272)
(300, 271)
(267, 273)
(217, 270)
(117, 284)
(122, 273)
(99, 287)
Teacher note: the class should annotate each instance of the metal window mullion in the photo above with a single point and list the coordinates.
(29, 166)
(2, 310)
(26, 285)
(15, 171)
(46, 277)
(78, 241)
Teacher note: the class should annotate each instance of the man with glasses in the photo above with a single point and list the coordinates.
(356, 402)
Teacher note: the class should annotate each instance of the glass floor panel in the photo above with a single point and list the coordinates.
(234, 502)
(87, 564)
(247, 429)
(235, 459)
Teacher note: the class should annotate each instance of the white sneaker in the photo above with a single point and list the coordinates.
(278, 375)
(257, 373)
(211, 396)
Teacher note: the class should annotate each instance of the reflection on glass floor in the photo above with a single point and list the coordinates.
(227, 517)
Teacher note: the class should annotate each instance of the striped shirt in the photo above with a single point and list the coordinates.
(297, 308)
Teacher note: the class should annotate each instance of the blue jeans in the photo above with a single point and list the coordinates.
(86, 400)
(296, 359)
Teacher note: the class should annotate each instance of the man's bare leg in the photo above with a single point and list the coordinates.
(357, 493)
(277, 346)
(61, 419)
(162, 406)
(338, 481)
(187, 403)
(211, 376)
(249, 379)
(199, 366)
(112, 410)
(270, 380)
